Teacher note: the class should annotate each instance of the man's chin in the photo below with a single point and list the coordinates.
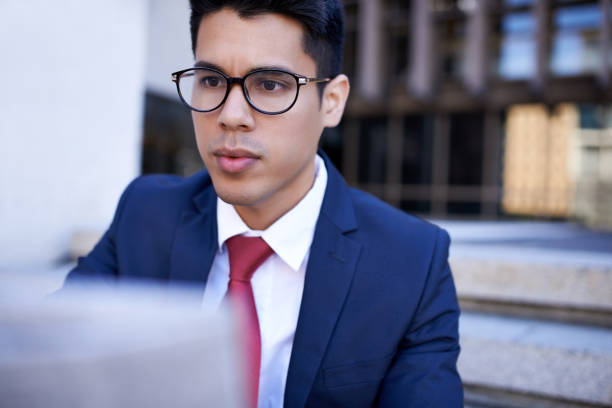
(239, 198)
(232, 190)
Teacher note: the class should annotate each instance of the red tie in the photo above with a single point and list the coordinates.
(246, 254)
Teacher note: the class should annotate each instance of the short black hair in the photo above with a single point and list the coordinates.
(323, 22)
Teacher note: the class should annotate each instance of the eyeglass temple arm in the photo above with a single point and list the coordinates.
(304, 81)
(176, 75)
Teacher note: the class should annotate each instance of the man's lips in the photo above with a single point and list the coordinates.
(235, 160)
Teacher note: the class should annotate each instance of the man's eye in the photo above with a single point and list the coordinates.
(270, 85)
(210, 82)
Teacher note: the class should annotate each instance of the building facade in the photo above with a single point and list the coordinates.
(441, 93)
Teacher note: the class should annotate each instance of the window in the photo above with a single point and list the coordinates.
(576, 45)
(517, 57)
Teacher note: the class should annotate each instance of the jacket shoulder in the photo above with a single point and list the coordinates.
(169, 184)
(165, 190)
(378, 217)
(159, 199)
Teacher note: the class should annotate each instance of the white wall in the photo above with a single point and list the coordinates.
(71, 108)
(169, 46)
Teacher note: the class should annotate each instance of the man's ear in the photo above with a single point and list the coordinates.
(334, 100)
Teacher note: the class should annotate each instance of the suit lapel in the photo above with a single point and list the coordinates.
(329, 274)
(331, 265)
(195, 241)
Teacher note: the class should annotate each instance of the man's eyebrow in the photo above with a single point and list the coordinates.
(206, 64)
(279, 67)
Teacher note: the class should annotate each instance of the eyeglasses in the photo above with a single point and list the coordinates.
(269, 91)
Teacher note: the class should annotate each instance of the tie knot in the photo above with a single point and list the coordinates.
(246, 254)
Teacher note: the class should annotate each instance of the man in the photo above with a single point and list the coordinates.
(351, 302)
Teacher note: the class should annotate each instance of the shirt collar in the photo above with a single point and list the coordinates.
(291, 235)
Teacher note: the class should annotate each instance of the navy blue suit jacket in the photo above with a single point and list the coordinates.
(378, 323)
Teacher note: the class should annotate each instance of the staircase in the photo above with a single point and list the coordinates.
(536, 325)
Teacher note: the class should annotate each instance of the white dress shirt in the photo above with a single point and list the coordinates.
(277, 284)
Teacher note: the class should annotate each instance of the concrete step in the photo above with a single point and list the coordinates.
(552, 271)
(514, 362)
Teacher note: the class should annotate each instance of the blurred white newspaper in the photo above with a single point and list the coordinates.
(127, 346)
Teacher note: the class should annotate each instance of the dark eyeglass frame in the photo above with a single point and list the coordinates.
(230, 81)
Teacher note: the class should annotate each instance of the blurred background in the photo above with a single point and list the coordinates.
(491, 117)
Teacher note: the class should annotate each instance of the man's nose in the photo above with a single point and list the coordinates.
(236, 113)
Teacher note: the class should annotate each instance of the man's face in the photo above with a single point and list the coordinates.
(262, 164)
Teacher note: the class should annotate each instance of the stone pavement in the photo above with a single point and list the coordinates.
(536, 328)
(529, 234)
(557, 361)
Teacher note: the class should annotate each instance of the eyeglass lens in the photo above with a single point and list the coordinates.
(268, 91)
